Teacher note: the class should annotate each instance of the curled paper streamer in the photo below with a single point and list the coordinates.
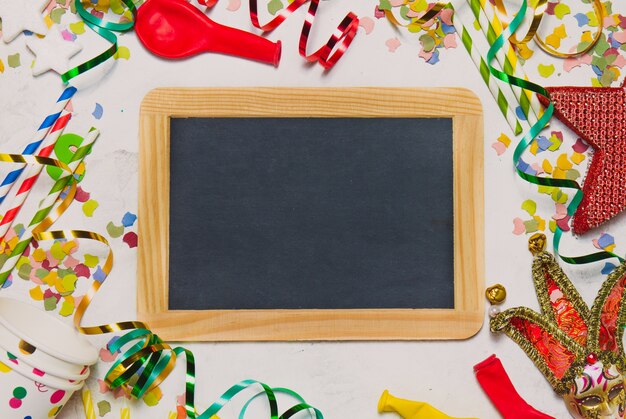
(528, 137)
(339, 41)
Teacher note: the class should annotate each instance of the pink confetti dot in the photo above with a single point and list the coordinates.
(38, 372)
(15, 403)
(57, 396)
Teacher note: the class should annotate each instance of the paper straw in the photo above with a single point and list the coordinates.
(490, 81)
(172, 415)
(46, 205)
(125, 413)
(33, 174)
(39, 136)
(90, 413)
(492, 28)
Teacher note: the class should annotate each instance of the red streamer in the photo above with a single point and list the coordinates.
(339, 41)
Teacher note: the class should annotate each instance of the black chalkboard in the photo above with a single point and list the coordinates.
(313, 213)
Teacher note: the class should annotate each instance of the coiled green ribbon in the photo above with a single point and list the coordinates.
(105, 30)
(535, 129)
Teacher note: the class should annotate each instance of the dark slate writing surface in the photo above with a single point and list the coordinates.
(311, 213)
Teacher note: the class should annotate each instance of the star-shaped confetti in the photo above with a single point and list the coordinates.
(52, 52)
(598, 115)
(20, 15)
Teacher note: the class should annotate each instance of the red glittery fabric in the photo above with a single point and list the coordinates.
(609, 316)
(598, 116)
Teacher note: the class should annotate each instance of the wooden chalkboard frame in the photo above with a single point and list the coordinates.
(462, 322)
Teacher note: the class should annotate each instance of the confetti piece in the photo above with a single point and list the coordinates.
(1, 67)
(449, 41)
(24, 271)
(56, 15)
(122, 52)
(606, 240)
(14, 60)
(81, 195)
(99, 275)
(563, 224)
(274, 6)
(106, 355)
(543, 143)
(91, 261)
(233, 5)
(499, 148)
(428, 42)
(78, 28)
(39, 255)
(581, 19)
(392, 44)
(57, 251)
(504, 140)
(89, 207)
(520, 113)
(68, 36)
(545, 70)
(103, 387)
(367, 24)
(50, 303)
(518, 226)
(607, 269)
(580, 146)
(67, 309)
(104, 407)
(561, 9)
(153, 397)
(546, 166)
(130, 239)
(563, 163)
(129, 219)
(82, 271)
(561, 212)
(36, 294)
(97, 112)
(531, 226)
(114, 231)
(529, 206)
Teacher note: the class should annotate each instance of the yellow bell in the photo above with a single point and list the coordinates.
(409, 409)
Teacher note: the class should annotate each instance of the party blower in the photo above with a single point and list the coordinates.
(177, 29)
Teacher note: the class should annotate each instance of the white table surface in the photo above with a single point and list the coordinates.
(342, 379)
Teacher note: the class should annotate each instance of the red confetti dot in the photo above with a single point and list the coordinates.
(38, 372)
(15, 403)
(130, 239)
(57, 396)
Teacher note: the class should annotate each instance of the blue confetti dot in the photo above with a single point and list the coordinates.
(129, 219)
(596, 70)
(447, 28)
(434, 59)
(520, 113)
(97, 113)
(608, 268)
(582, 19)
(99, 275)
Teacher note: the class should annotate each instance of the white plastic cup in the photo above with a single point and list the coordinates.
(28, 388)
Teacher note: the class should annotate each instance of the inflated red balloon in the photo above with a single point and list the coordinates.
(176, 29)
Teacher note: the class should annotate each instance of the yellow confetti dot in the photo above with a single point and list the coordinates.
(36, 293)
(51, 278)
(1, 67)
(39, 255)
(4, 368)
(563, 162)
(558, 173)
(68, 246)
(534, 147)
(577, 158)
(541, 221)
(524, 51)
(89, 207)
(610, 248)
(546, 166)
(545, 70)
(504, 139)
(91, 261)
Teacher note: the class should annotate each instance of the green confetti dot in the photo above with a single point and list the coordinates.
(19, 393)
(24, 271)
(274, 6)
(50, 303)
(114, 231)
(56, 14)
(104, 407)
(14, 60)
(531, 226)
(428, 42)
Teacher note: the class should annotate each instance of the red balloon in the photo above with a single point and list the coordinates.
(176, 29)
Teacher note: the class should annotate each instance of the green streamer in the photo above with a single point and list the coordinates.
(530, 136)
(105, 30)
